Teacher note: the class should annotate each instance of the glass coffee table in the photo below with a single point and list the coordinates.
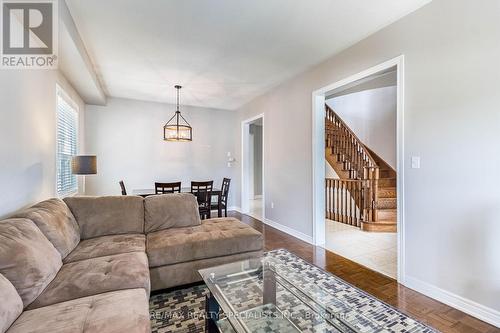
(280, 292)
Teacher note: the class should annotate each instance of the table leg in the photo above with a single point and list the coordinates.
(269, 280)
(212, 310)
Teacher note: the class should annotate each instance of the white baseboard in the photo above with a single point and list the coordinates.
(472, 308)
(290, 231)
(276, 225)
(257, 196)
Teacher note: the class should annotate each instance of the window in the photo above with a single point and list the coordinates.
(67, 143)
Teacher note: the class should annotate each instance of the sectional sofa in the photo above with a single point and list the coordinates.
(88, 264)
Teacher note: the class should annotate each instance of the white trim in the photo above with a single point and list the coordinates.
(235, 208)
(400, 161)
(61, 93)
(263, 195)
(318, 158)
(468, 306)
(318, 168)
(257, 196)
(290, 231)
(244, 167)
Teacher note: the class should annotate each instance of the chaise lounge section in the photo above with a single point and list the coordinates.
(88, 264)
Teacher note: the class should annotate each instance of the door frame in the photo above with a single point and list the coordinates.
(245, 177)
(318, 156)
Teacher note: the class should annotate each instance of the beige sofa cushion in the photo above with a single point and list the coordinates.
(107, 246)
(95, 276)
(102, 216)
(56, 222)
(113, 312)
(170, 210)
(11, 304)
(175, 275)
(27, 258)
(213, 238)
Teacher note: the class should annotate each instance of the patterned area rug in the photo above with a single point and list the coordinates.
(182, 311)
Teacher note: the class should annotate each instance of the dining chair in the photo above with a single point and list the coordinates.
(122, 186)
(222, 200)
(203, 193)
(164, 188)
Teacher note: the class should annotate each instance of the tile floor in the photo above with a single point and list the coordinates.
(375, 250)
(256, 210)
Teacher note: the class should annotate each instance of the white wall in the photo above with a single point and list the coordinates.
(452, 121)
(28, 136)
(371, 115)
(255, 154)
(127, 137)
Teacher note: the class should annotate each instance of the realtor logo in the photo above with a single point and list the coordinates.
(29, 34)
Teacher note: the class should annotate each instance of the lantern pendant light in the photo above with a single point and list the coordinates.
(177, 128)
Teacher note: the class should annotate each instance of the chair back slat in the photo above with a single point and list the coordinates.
(122, 186)
(164, 188)
(226, 182)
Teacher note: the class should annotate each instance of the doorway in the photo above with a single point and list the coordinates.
(352, 231)
(252, 196)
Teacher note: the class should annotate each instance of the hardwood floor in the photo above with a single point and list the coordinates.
(416, 305)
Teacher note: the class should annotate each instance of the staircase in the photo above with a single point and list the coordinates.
(365, 195)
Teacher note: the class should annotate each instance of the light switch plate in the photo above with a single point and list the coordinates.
(415, 162)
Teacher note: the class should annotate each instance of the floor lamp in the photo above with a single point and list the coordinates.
(84, 165)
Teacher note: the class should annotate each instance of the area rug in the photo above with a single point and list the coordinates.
(182, 311)
(179, 311)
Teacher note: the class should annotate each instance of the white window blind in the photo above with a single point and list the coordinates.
(67, 143)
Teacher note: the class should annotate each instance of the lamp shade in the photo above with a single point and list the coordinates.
(177, 128)
(84, 165)
(177, 131)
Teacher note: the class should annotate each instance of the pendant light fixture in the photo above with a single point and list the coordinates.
(177, 128)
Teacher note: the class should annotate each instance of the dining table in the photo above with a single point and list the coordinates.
(146, 192)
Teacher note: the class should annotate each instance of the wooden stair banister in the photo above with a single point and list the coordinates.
(348, 141)
(361, 169)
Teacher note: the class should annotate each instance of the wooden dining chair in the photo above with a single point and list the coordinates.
(203, 193)
(122, 186)
(222, 200)
(164, 188)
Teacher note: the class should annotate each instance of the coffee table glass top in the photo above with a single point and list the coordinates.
(266, 295)
(280, 292)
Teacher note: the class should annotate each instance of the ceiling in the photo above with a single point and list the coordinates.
(224, 52)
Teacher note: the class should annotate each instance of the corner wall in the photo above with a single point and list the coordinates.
(451, 121)
(28, 136)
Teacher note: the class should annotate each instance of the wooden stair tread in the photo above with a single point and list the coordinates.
(387, 182)
(388, 188)
(388, 222)
(387, 214)
(379, 226)
(386, 194)
(387, 203)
